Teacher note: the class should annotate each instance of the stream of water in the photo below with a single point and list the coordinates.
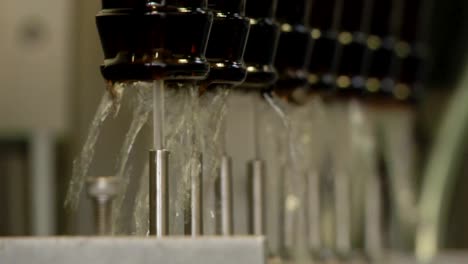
(142, 107)
(110, 103)
(193, 125)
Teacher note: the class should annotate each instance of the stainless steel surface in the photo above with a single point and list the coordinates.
(159, 193)
(256, 195)
(103, 190)
(194, 227)
(119, 250)
(224, 197)
(445, 257)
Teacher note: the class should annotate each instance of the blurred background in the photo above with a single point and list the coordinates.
(51, 85)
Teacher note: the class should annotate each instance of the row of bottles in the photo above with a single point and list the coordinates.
(361, 47)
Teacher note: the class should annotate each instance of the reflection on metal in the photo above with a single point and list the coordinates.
(43, 184)
(256, 195)
(224, 197)
(159, 193)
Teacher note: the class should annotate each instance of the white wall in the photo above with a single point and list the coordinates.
(35, 60)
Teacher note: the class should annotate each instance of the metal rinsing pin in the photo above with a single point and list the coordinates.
(103, 190)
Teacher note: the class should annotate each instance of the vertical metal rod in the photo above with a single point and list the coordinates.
(281, 250)
(313, 212)
(342, 212)
(327, 203)
(197, 196)
(373, 230)
(159, 192)
(289, 218)
(255, 122)
(224, 197)
(256, 195)
(152, 192)
(194, 227)
(43, 179)
(288, 230)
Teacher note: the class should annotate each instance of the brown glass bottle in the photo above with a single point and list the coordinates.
(381, 43)
(352, 47)
(227, 42)
(403, 75)
(324, 50)
(262, 43)
(412, 53)
(143, 40)
(292, 56)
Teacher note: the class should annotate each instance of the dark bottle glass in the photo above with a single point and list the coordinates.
(381, 18)
(145, 40)
(227, 42)
(412, 20)
(262, 43)
(294, 45)
(381, 43)
(352, 47)
(321, 15)
(411, 51)
(322, 21)
(410, 78)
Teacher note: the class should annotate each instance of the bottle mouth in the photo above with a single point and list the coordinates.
(126, 69)
(144, 4)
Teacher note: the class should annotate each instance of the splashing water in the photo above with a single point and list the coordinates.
(213, 109)
(180, 141)
(141, 212)
(193, 125)
(142, 109)
(211, 126)
(110, 102)
(175, 128)
(184, 143)
(292, 147)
